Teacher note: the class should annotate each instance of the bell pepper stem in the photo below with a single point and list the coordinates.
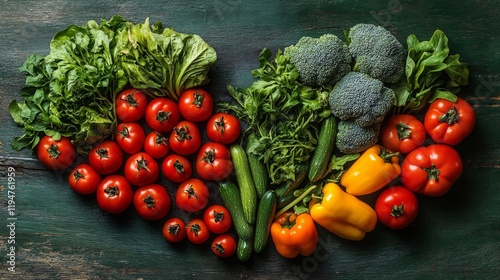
(386, 155)
(294, 202)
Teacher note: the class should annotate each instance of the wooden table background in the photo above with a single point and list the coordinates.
(62, 235)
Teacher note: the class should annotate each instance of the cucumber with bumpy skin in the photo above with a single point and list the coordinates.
(323, 151)
(245, 182)
(259, 172)
(231, 196)
(244, 249)
(265, 215)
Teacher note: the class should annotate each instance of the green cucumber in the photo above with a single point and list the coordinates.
(265, 215)
(285, 200)
(259, 171)
(231, 196)
(323, 151)
(289, 187)
(245, 182)
(244, 249)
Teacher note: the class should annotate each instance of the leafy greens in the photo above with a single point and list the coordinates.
(71, 91)
(283, 115)
(431, 73)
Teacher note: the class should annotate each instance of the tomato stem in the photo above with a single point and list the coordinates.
(162, 116)
(179, 167)
(198, 99)
(195, 228)
(53, 151)
(398, 210)
(403, 130)
(182, 133)
(150, 201)
(190, 191)
(432, 172)
(78, 175)
(209, 156)
(112, 191)
(142, 164)
(450, 117)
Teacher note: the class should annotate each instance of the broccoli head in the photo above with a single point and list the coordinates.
(377, 52)
(361, 99)
(352, 138)
(320, 61)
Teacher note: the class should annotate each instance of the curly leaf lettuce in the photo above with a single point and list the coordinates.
(163, 61)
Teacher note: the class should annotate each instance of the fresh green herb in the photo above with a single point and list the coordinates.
(71, 91)
(431, 73)
(163, 61)
(283, 113)
(338, 164)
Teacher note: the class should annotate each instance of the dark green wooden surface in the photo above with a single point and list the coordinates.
(62, 235)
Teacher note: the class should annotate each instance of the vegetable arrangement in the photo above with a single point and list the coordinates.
(326, 122)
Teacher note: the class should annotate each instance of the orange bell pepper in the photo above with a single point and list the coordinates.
(294, 234)
(373, 170)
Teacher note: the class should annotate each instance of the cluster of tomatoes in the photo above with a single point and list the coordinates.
(126, 170)
(429, 170)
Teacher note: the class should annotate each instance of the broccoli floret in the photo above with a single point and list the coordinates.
(361, 99)
(320, 61)
(377, 52)
(352, 138)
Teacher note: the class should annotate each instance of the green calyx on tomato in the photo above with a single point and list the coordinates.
(112, 191)
(124, 132)
(179, 167)
(398, 210)
(129, 98)
(163, 116)
(450, 117)
(191, 192)
(403, 130)
(142, 164)
(53, 151)
(432, 172)
(209, 156)
(220, 125)
(182, 133)
(102, 153)
(174, 229)
(198, 99)
(195, 228)
(78, 175)
(149, 201)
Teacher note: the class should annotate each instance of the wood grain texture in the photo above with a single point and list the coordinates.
(61, 235)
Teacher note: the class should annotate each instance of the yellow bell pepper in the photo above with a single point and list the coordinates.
(373, 170)
(343, 214)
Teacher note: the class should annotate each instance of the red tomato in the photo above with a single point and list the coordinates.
(141, 169)
(196, 105)
(214, 162)
(185, 138)
(114, 194)
(83, 179)
(403, 133)
(192, 195)
(156, 145)
(197, 232)
(174, 230)
(449, 123)
(223, 128)
(431, 170)
(106, 157)
(224, 245)
(55, 154)
(152, 202)
(130, 137)
(177, 168)
(131, 105)
(162, 114)
(218, 219)
(396, 207)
